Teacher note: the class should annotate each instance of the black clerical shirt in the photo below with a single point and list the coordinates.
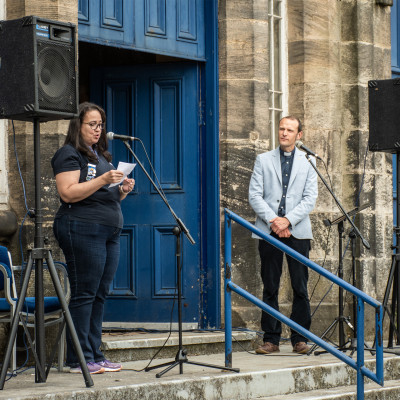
(286, 167)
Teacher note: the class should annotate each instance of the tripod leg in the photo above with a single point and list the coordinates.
(212, 366)
(393, 306)
(327, 330)
(15, 321)
(159, 366)
(386, 297)
(39, 368)
(173, 365)
(68, 320)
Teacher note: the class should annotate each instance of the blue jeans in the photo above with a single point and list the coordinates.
(92, 255)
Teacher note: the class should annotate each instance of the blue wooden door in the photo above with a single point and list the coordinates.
(159, 105)
(173, 27)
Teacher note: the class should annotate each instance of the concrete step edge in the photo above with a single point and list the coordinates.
(211, 384)
(280, 382)
(390, 391)
(121, 342)
(222, 387)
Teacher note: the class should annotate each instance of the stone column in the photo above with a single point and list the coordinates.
(334, 49)
(59, 10)
(244, 130)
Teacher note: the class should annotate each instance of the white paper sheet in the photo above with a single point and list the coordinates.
(126, 168)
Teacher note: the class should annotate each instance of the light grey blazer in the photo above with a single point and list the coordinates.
(265, 192)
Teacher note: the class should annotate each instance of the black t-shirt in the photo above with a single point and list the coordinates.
(104, 205)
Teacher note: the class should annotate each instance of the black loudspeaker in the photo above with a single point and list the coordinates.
(38, 70)
(384, 115)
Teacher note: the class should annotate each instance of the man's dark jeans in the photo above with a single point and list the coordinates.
(271, 271)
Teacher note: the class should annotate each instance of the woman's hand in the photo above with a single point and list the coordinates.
(113, 176)
(127, 186)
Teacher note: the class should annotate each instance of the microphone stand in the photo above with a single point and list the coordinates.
(345, 214)
(340, 319)
(181, 356)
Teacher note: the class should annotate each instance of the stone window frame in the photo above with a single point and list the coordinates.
(278, 65)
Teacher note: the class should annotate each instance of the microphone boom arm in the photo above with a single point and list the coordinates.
(357, 232)
(180, 223)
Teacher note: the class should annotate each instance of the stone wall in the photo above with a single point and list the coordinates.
(65, 10)
(334, 48)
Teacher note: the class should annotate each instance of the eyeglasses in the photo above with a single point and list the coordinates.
(94, 125)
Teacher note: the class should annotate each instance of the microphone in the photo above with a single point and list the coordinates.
(300, 145)
(112, 136)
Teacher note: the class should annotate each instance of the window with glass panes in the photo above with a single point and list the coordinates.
(277, 66)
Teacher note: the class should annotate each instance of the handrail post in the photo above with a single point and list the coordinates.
(379, 344)
(227, 291)
(360, 348)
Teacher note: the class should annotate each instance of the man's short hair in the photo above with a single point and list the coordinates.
(293, 118)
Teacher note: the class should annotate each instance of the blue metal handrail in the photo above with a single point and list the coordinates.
(361, 299)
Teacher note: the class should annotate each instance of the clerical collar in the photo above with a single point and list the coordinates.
(287, 153)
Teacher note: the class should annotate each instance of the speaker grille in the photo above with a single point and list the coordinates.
(56, 78)
(384, 115)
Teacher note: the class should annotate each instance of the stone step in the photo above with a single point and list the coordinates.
(372, 391)
(283, 376)
(137, 345)
(286, 376)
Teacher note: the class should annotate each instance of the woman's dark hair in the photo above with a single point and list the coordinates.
(74, 137)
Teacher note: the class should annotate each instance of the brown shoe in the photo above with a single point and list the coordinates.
(268, 348)
(301, 348)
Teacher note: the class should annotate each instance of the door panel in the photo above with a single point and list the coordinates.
(158, 105)
(172, 28)
(124, 283)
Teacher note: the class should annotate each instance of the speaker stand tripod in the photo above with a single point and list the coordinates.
(181, 356)
(39, 254)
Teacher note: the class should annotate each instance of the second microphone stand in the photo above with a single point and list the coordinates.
(181, 356)
(340, 319)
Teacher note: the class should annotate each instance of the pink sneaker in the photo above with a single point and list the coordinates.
(92, 367)
(109, 366)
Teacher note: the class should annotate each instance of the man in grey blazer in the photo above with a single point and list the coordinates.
(283, 191)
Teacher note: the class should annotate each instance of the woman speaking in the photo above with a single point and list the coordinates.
(87, 227)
